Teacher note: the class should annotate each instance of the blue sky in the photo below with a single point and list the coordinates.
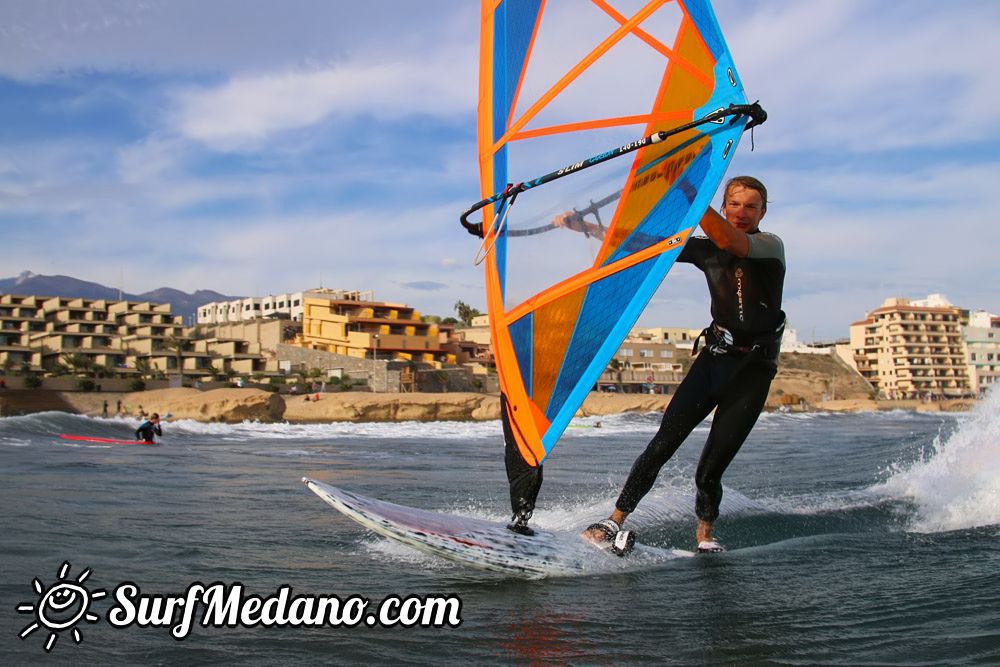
(256, 147)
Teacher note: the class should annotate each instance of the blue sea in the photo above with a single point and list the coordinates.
(854, 539)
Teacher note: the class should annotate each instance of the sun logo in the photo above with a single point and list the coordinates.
(60, 607)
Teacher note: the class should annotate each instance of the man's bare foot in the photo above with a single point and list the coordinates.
(704, 531)
(703, 535)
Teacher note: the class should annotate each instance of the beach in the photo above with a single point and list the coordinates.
(238, 405)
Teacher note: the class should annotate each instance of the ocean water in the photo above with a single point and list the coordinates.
(853, 539)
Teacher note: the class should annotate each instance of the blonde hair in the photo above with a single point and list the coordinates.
(748, 182)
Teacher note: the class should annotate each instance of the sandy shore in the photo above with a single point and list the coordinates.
(237, 405)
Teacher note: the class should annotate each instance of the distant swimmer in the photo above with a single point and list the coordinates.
(745, 270)
(149, 428)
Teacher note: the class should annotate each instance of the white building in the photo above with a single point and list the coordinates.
(790, 343)
(251, 308)
(982, 344)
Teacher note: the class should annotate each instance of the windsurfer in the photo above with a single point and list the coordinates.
(148, 428)
(745, 270)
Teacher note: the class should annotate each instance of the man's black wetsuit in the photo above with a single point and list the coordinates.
(732, 374)
(146, 431)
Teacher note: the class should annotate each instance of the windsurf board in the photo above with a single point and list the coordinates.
(481, 543)
(103, 441)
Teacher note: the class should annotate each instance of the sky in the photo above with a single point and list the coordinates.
(254, 147)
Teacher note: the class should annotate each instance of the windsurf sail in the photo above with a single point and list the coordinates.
(648, 90)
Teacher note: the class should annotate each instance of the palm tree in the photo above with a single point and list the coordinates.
(142, 367)
(177, 344)
(616, 367)
(79, 363)
(466, 313)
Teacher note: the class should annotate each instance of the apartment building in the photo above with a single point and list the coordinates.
(471, 345)
(982, 342)
(286, 306)
(49, 334)
(681, 337)
(648, 361)
(913, 349)
(345, 323)
(20, 318)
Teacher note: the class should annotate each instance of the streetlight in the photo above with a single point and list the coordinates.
(375, 360)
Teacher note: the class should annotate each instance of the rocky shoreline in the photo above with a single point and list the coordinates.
(238, 405)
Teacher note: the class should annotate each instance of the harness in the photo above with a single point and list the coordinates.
(719, 341)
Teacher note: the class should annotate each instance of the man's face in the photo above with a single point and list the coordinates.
(743, 208)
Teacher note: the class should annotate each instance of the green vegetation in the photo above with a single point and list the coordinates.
(466, 313)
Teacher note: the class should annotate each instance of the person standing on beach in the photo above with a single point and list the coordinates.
(104, 409)
(149, 428)
(745, 270)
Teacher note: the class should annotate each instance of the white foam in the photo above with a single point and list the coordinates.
(956, 485)
(440, 430)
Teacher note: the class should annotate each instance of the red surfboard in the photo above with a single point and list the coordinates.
(104, 441)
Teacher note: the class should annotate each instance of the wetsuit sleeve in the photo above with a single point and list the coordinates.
(766, 246)
(159, 430)
(696, 250)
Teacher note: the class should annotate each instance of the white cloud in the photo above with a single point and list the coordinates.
(43, 38)
(247, 110)
(864, 76)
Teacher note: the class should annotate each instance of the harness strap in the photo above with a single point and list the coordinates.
(719, 340)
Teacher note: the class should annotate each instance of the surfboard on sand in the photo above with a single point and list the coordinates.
(102, 441)
(484, 544)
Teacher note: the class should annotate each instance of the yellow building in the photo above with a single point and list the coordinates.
(339, 322)
(913, 349)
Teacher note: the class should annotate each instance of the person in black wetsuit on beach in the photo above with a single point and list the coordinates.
(745, 270)
(149, 428)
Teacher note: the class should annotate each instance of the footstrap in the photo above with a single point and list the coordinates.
(623, 543)
(710, 547)
(608, 527)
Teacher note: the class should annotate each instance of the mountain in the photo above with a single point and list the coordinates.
(181, 303)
